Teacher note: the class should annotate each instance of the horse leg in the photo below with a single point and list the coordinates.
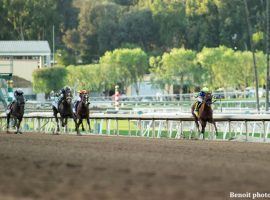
(8, 119)
(214, 123)
(56, 119)
(83, 127)
(203, 123)
(15, 122)
(65, 124)
(197, 125)
(62, 122)
(18, 126)
(74, 116)
(88, 122)
(78, 126)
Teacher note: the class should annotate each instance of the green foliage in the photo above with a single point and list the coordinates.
(214, 67)
(48, 79)
(175, 68)
(137, 26)
(84, 77)
(64, 57)
(34, 19)
(124, 66)
(89, 28)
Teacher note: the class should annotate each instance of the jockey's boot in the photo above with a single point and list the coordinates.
(58, 103)
(9, 108)
(76, 106)
(8, 111)
(197, 107)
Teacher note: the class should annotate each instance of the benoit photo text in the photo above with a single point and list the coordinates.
(250, 195)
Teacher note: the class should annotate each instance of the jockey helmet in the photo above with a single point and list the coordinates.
(19, 91)
(82, 92)
(205, 89)
(67, 88)
(202, 94)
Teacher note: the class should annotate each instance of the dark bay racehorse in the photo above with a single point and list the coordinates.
(82, 112)
(205, 114)
(16, 112)
(65, 111)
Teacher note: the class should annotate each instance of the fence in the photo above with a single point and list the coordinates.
(248, 127)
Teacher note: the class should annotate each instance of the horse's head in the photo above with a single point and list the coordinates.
(85, 98)
(68, 97)
(20, 100)
(208, 98)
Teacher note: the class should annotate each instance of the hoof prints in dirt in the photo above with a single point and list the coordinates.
(147, 174)
(72, 165)
(124, 171)
(100, 169)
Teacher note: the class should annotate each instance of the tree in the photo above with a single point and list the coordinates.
(138, 27)
(84, 77)
(97, 30)
(128, 66)
(48, 79)
(171, 22)
(253, 55)
(176, 68)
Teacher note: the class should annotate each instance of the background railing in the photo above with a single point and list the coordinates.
(247, 127)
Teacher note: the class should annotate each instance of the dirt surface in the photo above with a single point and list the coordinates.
(40, 166)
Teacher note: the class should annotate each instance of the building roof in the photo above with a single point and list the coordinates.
(24, 48)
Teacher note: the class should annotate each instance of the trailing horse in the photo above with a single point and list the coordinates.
(16, 112)
(82, 112)
(205, 114)
(65, 111)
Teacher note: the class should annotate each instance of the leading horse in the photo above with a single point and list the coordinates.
(65, 111)
(16, 112)
(82, 112)
(205, 114)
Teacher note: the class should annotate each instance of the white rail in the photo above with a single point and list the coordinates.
(249, 127)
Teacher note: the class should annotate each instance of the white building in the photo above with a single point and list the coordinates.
(21, 58)
(147, 89)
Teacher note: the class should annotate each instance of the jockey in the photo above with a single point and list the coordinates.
(81, 93)
(200, 98)
(62, 93)
(17, 93)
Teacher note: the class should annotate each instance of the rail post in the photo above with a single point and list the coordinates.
(116, 98)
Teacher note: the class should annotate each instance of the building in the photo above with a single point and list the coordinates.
(147, 88)
(21, 58)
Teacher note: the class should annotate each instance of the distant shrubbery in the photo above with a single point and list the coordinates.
(214, 67)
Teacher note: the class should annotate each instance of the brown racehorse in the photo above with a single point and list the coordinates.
(16, 112)
(205, 114)
(82, 112)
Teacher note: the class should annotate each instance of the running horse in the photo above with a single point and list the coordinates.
(65, 111)
(82, 112)
(205, 114)
(16, 112)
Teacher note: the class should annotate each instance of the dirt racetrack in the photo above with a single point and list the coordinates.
(41, 166)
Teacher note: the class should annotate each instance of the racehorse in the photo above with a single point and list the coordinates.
(82, 112)
(65, 111)
(205, 114)
(16, 112)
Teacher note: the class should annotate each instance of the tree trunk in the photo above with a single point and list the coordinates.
(267, 59)
(253, 55)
